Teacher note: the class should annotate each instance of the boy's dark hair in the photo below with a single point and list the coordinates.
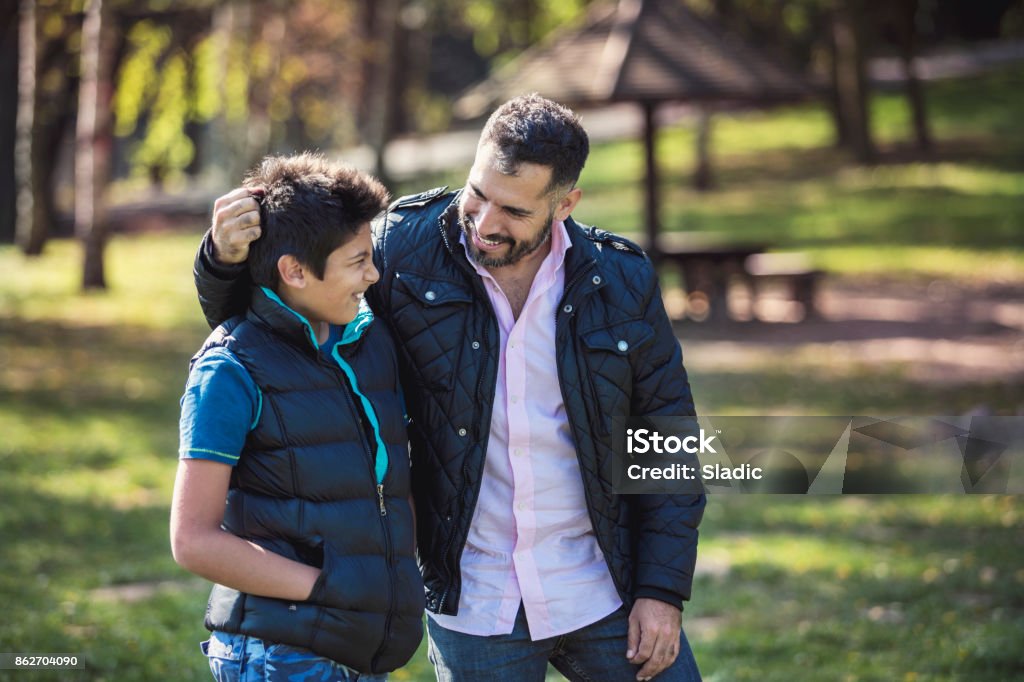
(532, 129)
(310, 208)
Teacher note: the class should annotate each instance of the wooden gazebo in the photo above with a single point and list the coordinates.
(645, 51)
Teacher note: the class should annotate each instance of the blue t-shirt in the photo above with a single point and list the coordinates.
(221, 405)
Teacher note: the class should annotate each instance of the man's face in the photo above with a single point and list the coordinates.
(348, 273)
(506, 218)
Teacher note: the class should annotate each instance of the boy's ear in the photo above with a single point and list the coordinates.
(291, 272)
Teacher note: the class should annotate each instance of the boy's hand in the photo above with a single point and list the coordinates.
(236, 224)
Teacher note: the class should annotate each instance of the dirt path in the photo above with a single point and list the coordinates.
(939, 332)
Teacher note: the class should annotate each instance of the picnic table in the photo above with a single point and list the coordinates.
(708, 261)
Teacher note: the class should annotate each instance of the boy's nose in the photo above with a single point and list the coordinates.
(372, 274)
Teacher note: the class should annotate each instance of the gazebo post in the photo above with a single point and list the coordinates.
(652, 225)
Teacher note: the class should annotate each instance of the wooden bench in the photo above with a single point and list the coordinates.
(792, 270)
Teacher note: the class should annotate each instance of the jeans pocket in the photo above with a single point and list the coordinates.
(224, 652)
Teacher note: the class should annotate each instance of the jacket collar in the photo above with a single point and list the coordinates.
(267, 309)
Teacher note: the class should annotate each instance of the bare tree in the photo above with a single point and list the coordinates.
(31, 221)
(908, 53)
(851, 77)
(93, 141)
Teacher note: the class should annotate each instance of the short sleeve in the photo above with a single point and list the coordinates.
(220, 406)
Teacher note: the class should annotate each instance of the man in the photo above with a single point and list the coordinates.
(521, 334)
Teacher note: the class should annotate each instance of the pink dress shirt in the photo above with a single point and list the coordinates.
(531, 539)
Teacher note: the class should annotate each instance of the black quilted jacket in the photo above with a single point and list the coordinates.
(618, 357)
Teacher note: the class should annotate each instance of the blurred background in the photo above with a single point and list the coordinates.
(834, 190)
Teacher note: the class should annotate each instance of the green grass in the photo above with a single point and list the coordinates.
(908, 588)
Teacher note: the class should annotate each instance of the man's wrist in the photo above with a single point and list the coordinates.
(208, 255)
(647, 592)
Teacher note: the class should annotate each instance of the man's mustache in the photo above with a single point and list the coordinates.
(468, 225)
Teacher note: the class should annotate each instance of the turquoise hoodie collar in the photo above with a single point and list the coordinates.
(353, 331)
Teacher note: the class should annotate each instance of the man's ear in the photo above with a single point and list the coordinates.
(291, 272)
(568, 203)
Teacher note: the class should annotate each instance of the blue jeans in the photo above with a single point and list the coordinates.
(240, 658)
(595, 653)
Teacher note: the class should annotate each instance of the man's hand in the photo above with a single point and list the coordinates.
(653, 636)
(236, 224)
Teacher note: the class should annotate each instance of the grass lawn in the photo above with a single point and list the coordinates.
(855, 588)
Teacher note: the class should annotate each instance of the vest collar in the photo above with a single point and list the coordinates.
(267, 308)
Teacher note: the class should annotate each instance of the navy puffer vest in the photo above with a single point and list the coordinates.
(324, 472)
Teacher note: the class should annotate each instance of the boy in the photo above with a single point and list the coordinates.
(292, 415)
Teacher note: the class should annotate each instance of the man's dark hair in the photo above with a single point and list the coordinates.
(310, 208)
(532, 129)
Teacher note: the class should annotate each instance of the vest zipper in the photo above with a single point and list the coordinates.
(385, 527)
(389, 560)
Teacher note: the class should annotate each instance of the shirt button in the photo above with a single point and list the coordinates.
(521, 506)
(511, 345)
(623, 346)
(596, 280)
(430, 295)
(517, 452)
(514, 400)
(463, 432)
(476, 345)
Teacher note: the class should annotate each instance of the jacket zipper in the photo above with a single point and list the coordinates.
(389, 555)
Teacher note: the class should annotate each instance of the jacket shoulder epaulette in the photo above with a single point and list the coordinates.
(604, 237)
(417, 200)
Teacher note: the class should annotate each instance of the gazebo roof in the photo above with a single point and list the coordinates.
(640, 51)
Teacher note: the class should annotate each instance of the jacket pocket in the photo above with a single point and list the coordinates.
(430, 319)
(611, 352)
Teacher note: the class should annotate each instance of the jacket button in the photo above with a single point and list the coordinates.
(623, 346)
(476, 345)
(596, 280)
(430, 295)
(463, 432)
(567, 309)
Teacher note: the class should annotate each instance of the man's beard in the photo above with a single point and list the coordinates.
(518, 250)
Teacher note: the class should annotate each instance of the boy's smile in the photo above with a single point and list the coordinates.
(335, 299)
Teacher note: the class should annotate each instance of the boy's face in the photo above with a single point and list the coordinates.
(348, 272)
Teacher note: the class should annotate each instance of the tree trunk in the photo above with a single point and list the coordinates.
(31, 224)
(93, 140)
(652, 222)
(703, 176)
(841, 128)
(851, 78)
(914, 89)
(8, 118)
(382, 97)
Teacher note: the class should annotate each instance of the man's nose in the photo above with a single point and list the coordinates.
(486, 219)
